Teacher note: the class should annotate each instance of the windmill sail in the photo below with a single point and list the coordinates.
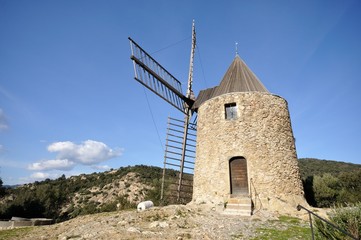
(157, 79)
(179, 155)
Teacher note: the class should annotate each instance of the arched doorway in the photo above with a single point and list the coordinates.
(238, 176)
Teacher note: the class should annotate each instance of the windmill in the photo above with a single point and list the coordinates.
(180, 143)
(246, 153)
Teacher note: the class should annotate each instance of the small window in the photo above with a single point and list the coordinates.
(231, 110)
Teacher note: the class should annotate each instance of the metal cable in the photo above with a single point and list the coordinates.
(151, 113)
(200, 61)
(171, 45)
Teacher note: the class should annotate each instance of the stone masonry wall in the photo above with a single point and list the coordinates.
(262, 134)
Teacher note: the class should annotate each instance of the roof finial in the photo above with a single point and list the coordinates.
(236, 48)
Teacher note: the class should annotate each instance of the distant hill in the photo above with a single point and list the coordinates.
(11, 186)
(313, 166)
(66, 198)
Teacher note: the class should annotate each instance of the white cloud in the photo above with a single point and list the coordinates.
(39, 176)
(70, 154)
(88, 153)
(59, 164)
(101, 167)
(3, 121)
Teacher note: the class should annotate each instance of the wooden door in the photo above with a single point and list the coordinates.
(238, 176)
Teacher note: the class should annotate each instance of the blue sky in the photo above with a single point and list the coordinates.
(69, 104)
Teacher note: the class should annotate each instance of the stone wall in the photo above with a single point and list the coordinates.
(24, 222)
(262, 134)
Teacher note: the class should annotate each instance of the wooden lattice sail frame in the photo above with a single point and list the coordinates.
(156, 78)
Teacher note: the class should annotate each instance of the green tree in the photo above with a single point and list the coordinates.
(2, 189)
(351, 187)
(326, 189)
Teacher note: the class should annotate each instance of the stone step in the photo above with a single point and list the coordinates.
(245, 213)
(243, 200)
(239, 206)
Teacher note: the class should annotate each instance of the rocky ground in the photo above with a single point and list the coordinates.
(170, 222)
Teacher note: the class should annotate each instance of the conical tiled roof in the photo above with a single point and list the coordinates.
(238, 78)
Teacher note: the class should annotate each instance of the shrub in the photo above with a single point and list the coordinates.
(326, 189)
(109, 207)
(347, 218)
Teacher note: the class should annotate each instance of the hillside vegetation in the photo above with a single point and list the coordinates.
(313, 167)
(65, 198)
(325, 182)
(329, 183)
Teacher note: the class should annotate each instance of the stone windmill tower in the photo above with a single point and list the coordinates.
(245, 146)
(245, 150)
